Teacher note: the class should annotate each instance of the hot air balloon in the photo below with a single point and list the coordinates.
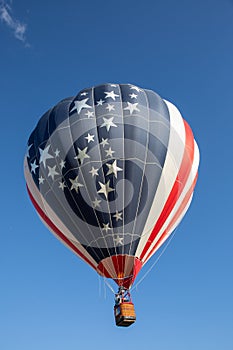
(111, 172)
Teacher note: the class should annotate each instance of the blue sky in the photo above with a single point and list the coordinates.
(181, 49)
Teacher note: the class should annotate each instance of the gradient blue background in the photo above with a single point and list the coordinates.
(49, 299)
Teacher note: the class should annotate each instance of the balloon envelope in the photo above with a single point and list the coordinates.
(111, 172)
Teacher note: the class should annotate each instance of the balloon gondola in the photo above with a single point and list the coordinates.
(111, 172)
(124, 308)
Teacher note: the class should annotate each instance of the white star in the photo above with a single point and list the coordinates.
(105, 188)
(62, 164)
(57, 153)
(41, 180)
(109, 152)
(118, 216)
(108, 123)
(133, 95)
(52, 172)
(82, 155)
(79, 105)
(34, 166)
(89, 114)
(100, 102)
(28, 149)
(44, 155)
(96, 203)
(90, 138)
(110, 107)
(93, 172)
(75, 184)
(132, 107)
(62, 185)
(135, 88)
(113, 168)
(106, 227)
(118, 240)
(111, 94)
(104, 142)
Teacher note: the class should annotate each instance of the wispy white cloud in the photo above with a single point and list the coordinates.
(6, 17)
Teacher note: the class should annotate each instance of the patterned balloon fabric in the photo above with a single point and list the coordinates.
(111, 172)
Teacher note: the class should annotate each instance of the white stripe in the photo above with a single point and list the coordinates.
(187, 187)
(52, 216)
(146, 259)
(129, 266)
(109, 266)
(171, 168)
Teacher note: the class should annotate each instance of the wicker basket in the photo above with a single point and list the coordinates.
(124, 314)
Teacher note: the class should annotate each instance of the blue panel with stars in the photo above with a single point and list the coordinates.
(97, 159)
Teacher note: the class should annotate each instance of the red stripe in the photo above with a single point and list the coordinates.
(175, 218)
(185, 168)
(57, 231)
(119, 261)
(101, 269)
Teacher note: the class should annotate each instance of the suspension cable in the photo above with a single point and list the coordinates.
(108, 285)
(156, 261)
